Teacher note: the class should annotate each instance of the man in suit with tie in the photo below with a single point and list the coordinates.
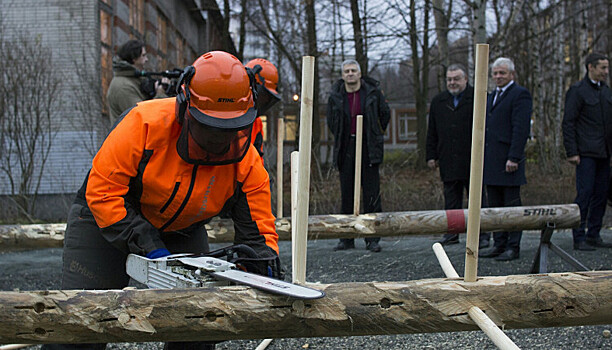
(449, 142)
(507, 130)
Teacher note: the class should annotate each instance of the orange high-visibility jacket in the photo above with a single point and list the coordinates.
(139, 186)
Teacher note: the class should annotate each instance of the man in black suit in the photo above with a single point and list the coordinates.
(507, 130)
(449, 142)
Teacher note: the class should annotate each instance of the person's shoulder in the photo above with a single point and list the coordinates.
(121, 83)
(519, 91)
(156, 109)
(441, 96)
(336, 87)
(370, 84)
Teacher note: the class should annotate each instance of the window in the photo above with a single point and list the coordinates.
(406, 126)
(106, 56)
(137, 15)
(105, 28)
(291, 128)
(162, 32)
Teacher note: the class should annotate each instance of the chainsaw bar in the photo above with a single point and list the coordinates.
(184, 271)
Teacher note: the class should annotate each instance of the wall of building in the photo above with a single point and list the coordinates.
(82, 36)
(71, 30)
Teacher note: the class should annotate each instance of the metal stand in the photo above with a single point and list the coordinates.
(541, 258)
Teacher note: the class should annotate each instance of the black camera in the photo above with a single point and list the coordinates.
(148, 85)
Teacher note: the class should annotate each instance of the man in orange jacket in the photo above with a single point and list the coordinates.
(166, 169)
(266, 78)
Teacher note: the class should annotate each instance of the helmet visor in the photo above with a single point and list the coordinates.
(206, 145)
(266, 98)
(224, 119)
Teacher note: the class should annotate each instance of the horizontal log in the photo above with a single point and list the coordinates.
(347, 226)
(349, 309)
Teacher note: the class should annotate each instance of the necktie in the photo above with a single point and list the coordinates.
(498, 92)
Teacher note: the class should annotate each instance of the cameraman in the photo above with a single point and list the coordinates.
(126, 88)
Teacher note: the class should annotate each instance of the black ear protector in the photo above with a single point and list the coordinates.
(182, 95)
(251, 72)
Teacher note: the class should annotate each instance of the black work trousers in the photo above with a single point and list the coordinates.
(91, 262)
(370, 185)
(592, 176)
(453, 199)
(505, 196)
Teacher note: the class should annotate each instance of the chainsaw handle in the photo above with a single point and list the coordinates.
(236, 248)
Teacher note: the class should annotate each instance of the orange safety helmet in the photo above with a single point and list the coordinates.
(215, 105)
(266, 76)
(268, 72)
(220, 92)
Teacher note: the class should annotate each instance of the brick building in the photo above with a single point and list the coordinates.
(82, 37)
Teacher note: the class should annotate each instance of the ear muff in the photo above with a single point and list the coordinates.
(182, 93)
(252, 72)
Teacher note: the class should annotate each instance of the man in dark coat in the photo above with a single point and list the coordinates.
(507, 130)
(587, 137)
(449, 142)
(351, 96)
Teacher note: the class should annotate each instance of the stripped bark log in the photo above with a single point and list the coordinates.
(348, 226)
(349, 309)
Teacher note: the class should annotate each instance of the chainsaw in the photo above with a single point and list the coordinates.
(194, 271)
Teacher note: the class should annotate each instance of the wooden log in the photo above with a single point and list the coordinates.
(349, 309)
(391, 224)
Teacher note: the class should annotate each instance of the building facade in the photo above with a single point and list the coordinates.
(81, 38)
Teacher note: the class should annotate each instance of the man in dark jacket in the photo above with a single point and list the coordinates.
(449, 142)
(351, 96)
(507, 130)
(125, 90)
(587, 137)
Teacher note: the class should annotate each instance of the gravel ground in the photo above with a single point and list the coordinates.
(403, 258)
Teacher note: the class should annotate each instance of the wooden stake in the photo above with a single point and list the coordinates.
(295, 263)
(497, 336)
(349, 309)
(476, 314)
(445, 263)
(478, 130)
(303, 195)
(280, 137)
(358, 144)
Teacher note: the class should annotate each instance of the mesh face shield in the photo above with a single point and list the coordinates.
(265, 99)
(206, 145)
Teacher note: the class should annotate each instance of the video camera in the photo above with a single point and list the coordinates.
(148, 85)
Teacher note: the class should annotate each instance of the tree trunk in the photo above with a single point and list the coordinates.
(420, 69)
(314, 52)
(442, 28)
(480, 21)
(243, 19)
(349, 309)
(360, 54)
(347, 226)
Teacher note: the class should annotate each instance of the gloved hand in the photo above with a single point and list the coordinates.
(158, 253)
